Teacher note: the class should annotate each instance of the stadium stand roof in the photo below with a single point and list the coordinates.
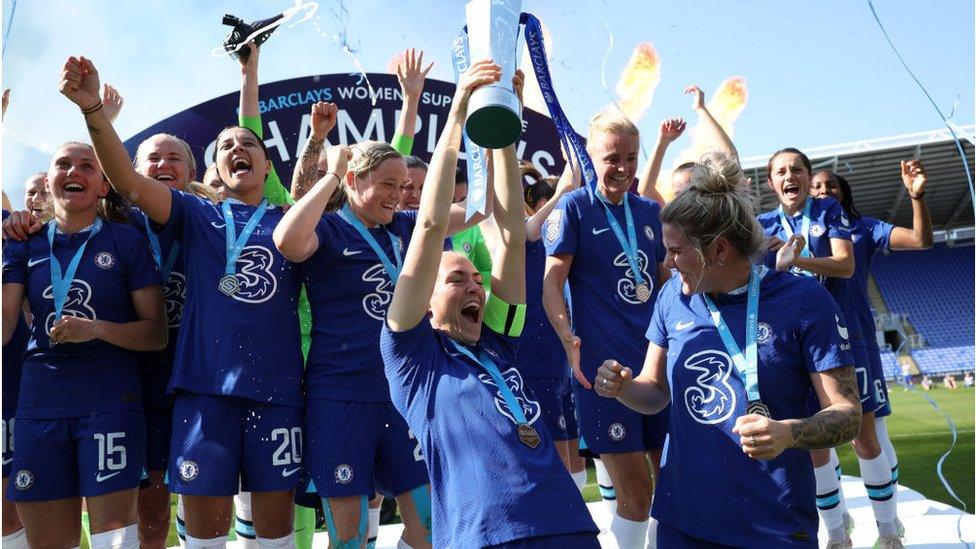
(872, 168)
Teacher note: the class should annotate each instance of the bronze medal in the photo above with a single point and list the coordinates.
(528, 435)
(643, 292)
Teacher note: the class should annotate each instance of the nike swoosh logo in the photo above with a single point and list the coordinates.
(290, 472)
(100, 478)
(600, 231)
(683, 325)
(347, 252)
(8, 461)
(33, 262)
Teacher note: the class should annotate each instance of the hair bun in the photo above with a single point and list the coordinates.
(717, 174)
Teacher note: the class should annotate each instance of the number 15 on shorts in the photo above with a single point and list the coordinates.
(111, 454)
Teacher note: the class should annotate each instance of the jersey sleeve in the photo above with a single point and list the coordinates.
(880, 233)
(408, 358)
(326, 234)
(657, 332)
(659, 250)
(838, 223)
(15, 262)
(823, 333)
(274, 191)
(561, 229)
(141, 269)
(402, 143)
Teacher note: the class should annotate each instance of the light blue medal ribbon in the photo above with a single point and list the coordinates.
(391, 269)
(804, 230)
(526, 433)
(235, 244)
(629, 245)
(61, 284)
(164, 268)
(748, 366)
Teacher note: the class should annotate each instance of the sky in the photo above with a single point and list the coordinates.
(816, 73)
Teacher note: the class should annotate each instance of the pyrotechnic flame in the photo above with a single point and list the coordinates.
(531, 95)
(641, 75)
(391, 65)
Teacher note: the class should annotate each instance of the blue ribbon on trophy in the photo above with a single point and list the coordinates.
(494, 112)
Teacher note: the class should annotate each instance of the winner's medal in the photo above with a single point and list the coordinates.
(228, 285)
(528, 435)
(757, 407)
(643, 292)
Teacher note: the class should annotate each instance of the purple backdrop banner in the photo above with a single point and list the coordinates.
(285, 107)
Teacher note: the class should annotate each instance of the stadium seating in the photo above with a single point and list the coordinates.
(935, 289)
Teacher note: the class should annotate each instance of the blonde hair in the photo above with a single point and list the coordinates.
(716, 204)
(191, 162)
(366, 157)
(609, 121)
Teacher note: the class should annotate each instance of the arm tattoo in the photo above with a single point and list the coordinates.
(94, 131)
(831, 426)
(305, 171)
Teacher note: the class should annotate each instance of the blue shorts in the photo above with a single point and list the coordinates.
(582, 540)
(881, 387)
(558, 408)
(670, 537)
(609, 427)
(8, 441)
(222, 442)
(80, 456)
(356, 447)
(159, 431)
(868, 384)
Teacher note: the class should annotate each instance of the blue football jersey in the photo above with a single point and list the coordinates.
(248, 344)
(156, 368)
(541, 353)
(607, 314)
(349, 291)
(709, 488)
(75, 379)
(469, 437)
(827, 220)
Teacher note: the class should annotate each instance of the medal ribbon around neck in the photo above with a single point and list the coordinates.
(804, 225)
(61, 284)
(391, 269)
(628, 243)
(164, 268)
(747, 366)
(235, 244)
(526, 433)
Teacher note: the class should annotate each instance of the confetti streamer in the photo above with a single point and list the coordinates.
(10, 23)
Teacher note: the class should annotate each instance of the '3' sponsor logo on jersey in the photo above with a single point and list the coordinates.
(711, 399)
(376, 302)
(513, 378)
(175, 293)
(257, 283)
(627, 286)
(77, 303)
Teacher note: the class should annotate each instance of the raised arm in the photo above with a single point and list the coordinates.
(79, 83)
(648, 393)
(568, 180)
(508, 262)
(670, 130)
(113, 102)
(295, 235)
(411, 298)
(13, 299)
(307, 172)
(919, 237)
(411, 75)
(710, 130)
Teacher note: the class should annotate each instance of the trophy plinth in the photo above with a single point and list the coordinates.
(494, 117)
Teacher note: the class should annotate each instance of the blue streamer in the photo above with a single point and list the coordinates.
(10, 23)
(962, 153)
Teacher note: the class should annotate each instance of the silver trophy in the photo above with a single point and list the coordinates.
(494, 112)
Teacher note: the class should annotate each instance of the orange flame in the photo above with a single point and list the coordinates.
(729, 101)
(391, 65)
(638, 80)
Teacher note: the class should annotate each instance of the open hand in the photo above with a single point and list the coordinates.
(914, 177)
(411, 74)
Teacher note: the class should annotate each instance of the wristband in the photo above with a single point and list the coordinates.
(920, 196)
(93, 108)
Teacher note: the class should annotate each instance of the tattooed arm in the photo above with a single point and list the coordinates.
(837, 423)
